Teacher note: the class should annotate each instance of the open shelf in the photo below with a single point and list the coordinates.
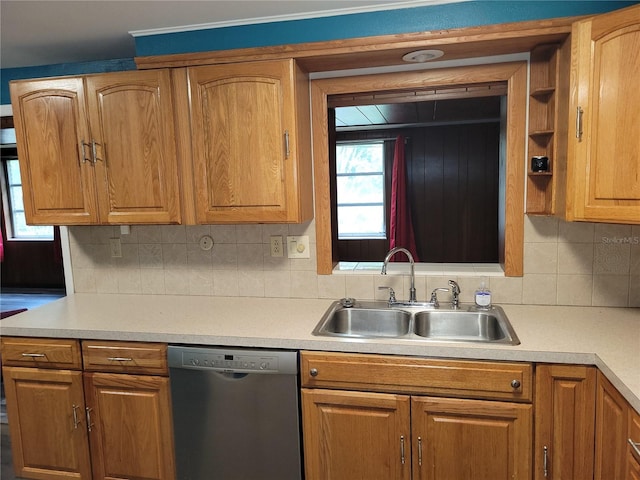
(544, 138)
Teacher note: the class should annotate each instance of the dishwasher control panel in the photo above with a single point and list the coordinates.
(232, 360)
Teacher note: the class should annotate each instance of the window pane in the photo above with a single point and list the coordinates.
(361, 222)
(19, 227)
(16, 198)
(360, 158)
(13, 172)
(361, 189)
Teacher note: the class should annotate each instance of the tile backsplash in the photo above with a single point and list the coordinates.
(564, 263)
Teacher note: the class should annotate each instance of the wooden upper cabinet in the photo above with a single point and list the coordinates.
(51, 125)
(98, 149)
(251, 142)
(603, 168)
(131, 116)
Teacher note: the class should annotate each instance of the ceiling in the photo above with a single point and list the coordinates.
(48, 32)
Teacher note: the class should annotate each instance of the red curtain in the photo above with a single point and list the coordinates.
(401, 231)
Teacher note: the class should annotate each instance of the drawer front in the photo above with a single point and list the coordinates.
(41, 352)
(468, 379)
(125, 357)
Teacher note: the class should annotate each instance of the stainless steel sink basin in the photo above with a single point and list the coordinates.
(473, 326)
(370, 320)
(366, 322)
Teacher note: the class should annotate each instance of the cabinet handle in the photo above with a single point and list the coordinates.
(313, 372)
(515, 384)
(94, 151)
(88, 413)
(579, 113)
(76, 422)
(402, 449)
(287, 151)
(635, 446)
(420, 451)
(83, 157)
(545, 461)
(34, 355)
(120, 359)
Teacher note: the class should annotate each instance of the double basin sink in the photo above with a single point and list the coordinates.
(371, 320)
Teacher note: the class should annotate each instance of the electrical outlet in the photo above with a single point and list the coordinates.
(116, 247)
(298, 247)
(277, 249)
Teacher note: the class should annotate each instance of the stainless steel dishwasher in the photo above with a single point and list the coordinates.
(235, 413)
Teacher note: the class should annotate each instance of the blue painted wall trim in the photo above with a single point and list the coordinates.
(435, 17)
(58, 70)
(408, 20)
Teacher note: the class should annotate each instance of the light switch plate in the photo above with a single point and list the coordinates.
(298, 247)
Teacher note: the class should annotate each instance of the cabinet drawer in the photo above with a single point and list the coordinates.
(125, 357)
(485, 380)
(41, 352)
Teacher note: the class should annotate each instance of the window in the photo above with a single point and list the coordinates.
(360, 190)
(17, 227)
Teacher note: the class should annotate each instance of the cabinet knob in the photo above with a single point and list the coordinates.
(515, 384)
(313, 372)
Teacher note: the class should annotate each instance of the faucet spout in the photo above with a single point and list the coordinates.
(392, 252)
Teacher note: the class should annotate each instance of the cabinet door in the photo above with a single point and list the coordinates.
(131, 115)
(457, 439)
(604, 164)
(564, 431)
(46, 423)
(633, 446)
(355, 435)
(55, 167)
(611, 431)
(243, 132)
(130, 431)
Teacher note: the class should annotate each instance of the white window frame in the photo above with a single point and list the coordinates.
(367, 235)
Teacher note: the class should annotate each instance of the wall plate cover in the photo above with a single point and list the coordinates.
(298, 247)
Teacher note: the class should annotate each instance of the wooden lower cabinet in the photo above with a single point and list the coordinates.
(633, 446)
(46, 413)
(564, 425)
(356, 435)
(365, 435)
(611, 431)
(460, 439)
(74, 424)
(130, 431)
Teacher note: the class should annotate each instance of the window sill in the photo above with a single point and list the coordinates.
(421, 269)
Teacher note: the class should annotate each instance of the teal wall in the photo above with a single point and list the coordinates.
(435, 17)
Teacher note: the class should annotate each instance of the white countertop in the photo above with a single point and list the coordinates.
(606, 337)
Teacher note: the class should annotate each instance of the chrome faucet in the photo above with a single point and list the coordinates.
(455, 292)
(392, 252)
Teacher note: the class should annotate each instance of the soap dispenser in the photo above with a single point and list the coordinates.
(483, 297)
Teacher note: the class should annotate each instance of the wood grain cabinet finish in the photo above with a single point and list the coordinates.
(351, 431)
(352, 435)
(67, 424)
(612, 413)
(46, 413)
(633, 446)
(603, 165)
(131, 434)
(564, 423)
(250, 139)
(41, 352)
(98, 149)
